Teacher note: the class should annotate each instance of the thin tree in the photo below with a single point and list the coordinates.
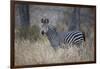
(75, 20)
(24, 20)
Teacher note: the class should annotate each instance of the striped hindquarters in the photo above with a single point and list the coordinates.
(73, 38)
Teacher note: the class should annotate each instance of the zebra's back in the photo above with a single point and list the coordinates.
(73, 37)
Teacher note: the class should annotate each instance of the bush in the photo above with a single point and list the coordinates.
(34, 33)
(30, 33)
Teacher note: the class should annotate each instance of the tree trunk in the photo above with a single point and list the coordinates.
(24, 15)
(75, 20)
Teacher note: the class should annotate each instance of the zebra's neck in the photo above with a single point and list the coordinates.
(51, 33)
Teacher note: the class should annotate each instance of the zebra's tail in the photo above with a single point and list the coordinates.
(83, 35)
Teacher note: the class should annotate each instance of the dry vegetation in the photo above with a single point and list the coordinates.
(31, 52)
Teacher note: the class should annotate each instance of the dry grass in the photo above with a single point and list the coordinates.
(40, 52)
(31, 52)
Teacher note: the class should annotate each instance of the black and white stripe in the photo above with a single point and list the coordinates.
(73, 37)
(57, 38)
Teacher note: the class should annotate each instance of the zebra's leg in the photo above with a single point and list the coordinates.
(62, 45)
(55, 47)
(67, 46)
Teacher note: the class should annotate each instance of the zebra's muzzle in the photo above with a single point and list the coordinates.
(42, 32)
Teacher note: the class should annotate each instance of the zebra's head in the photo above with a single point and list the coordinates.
(46, 26)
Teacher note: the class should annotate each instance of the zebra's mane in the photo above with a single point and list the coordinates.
(51, 27)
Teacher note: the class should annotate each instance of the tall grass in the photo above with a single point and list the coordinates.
(31, 52)
(31, 48)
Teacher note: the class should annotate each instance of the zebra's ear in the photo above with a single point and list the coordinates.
(42, 20)
(45, 20)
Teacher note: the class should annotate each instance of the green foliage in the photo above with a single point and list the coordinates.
(30, 33)
(23, 32)
(34, 33)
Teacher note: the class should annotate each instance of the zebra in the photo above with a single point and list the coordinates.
(57, 38)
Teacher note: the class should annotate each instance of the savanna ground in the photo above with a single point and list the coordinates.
(32, 48)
